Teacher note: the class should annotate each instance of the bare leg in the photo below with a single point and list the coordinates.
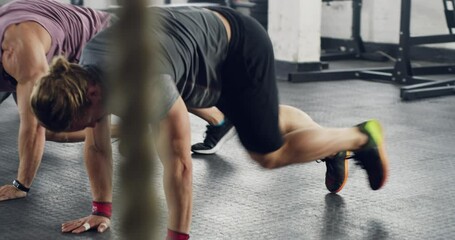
(218, 131)
(305, 140)
(211, 115)
(292, 119)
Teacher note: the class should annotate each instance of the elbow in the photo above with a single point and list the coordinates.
(97, 151)
(183, 166)
(181, 172)
(178, 162)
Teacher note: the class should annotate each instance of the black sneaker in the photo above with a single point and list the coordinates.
(372, 156)
(337, 171)
(215, 137)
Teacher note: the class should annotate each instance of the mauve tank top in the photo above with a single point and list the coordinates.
(70, 27)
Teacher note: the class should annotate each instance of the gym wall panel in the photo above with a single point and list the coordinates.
(4, 1)
(64, 1)
(98, 4)
(294, 29)
(381, 20)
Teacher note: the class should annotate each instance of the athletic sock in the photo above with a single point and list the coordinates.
(220, 123)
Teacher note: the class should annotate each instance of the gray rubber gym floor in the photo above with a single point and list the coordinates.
(235, 199)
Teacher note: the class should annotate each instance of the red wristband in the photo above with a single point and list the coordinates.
(102, 209)
(173, 235)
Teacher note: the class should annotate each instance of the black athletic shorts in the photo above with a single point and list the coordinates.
(249, 95)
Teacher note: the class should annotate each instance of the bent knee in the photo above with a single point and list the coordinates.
(268, 161)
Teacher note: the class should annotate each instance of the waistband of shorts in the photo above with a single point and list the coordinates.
(234, 19)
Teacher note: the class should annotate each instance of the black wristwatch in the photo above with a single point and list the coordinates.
(19, 186)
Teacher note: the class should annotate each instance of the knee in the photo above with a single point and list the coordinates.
(267, 161)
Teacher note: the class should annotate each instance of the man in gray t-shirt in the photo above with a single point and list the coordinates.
(207, 44)
(208, 58)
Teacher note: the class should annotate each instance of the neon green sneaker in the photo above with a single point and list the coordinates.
(372, 156)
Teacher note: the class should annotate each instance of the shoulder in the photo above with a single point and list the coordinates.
(23, 50)
(24, 31)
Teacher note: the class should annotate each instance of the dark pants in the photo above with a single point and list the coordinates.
(221, 2)
(249, 95)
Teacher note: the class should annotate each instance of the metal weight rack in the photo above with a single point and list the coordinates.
(402, 73)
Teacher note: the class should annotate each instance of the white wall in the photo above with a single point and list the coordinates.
(381, 20)
(4, 1)
(296, 21)
(294, 29)
(101, 4)
(98, 4)
(64, 1)
(294, 24)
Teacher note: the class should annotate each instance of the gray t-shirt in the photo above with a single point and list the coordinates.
(192, 45)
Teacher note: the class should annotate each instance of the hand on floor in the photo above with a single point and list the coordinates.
(84, 224)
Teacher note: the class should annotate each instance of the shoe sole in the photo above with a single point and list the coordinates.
(346, 172)
(231, 133)
(382, 153)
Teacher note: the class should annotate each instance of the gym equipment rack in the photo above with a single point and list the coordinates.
(403, 73)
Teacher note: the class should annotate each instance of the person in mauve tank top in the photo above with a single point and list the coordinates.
(32, 33)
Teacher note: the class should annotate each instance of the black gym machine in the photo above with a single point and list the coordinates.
(403, 73)
(77, 2)
(354, 47)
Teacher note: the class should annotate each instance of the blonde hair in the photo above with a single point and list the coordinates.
(60, 97)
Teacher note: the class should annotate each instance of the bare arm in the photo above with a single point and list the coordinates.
(24, 57)
(65, 137)
(174, 150)
(98, 161)
(78, 136)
